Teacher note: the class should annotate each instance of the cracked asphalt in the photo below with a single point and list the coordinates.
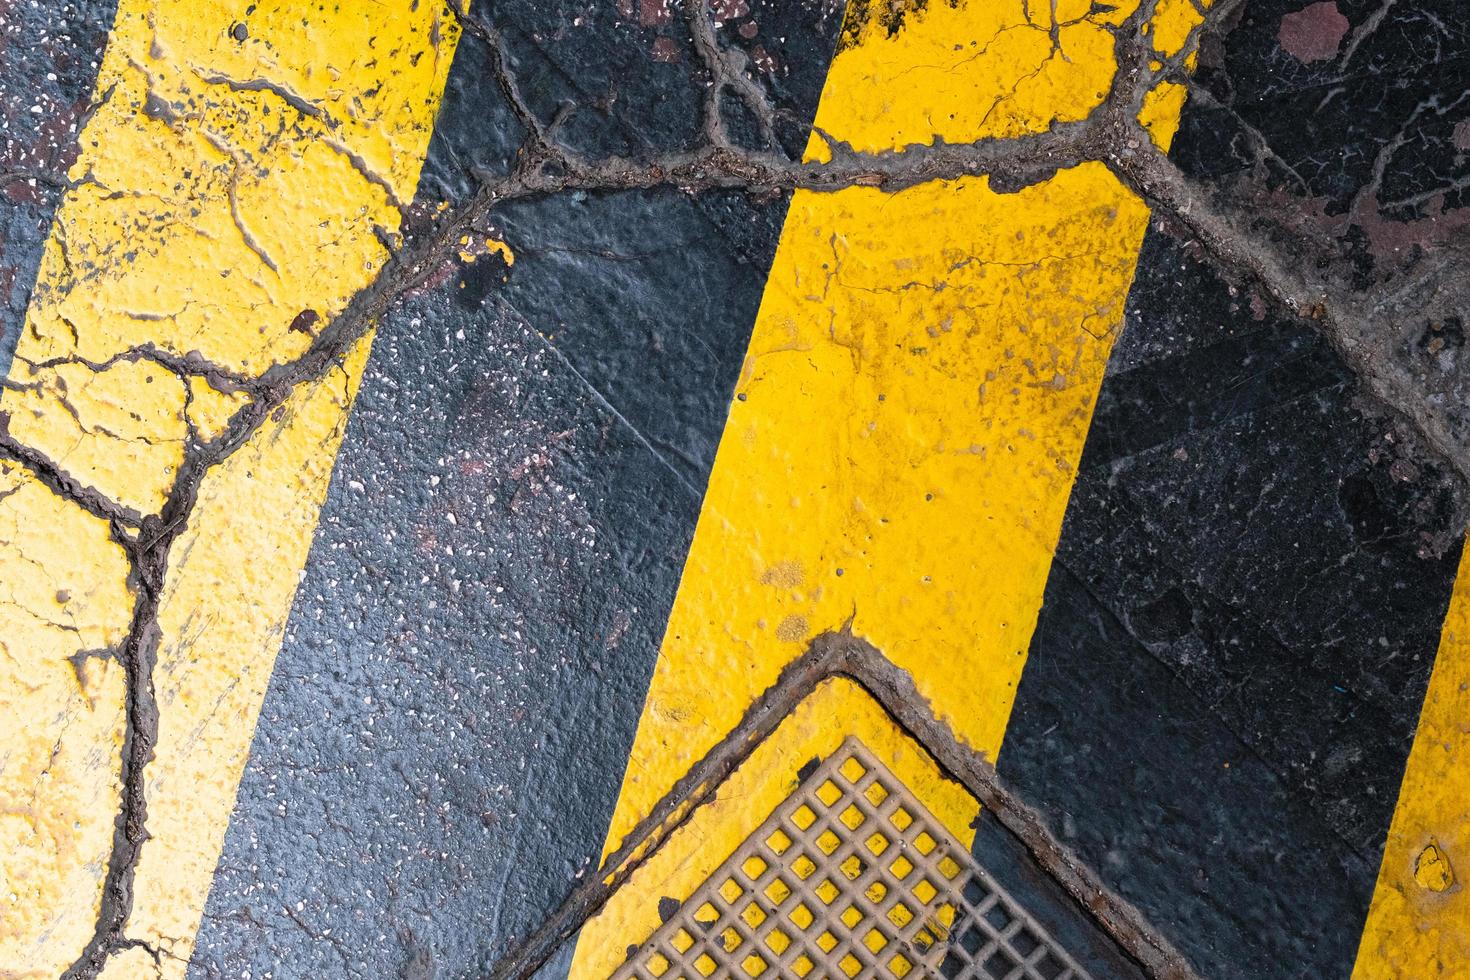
(530, 257)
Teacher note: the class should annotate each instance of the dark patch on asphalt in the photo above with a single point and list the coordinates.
(1246, 602)
(443, 740)
(1237, 633)
(1313, 33)
(1377, 117)
(50, 53)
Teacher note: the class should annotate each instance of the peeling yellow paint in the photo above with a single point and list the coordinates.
(959, 72)
(473, 249)
(1168, 33)
(1171, 24)
(64, 607)
(237, 171)
(1419, 920)
(913, 404)
(1432, 870)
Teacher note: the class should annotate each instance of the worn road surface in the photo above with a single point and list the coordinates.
(637, 488)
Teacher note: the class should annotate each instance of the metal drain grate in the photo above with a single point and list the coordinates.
(851, 877)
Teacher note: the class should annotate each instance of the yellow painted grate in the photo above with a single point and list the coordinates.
(851, 877)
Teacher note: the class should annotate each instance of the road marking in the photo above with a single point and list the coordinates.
(913, 403)
(1419, 920)
(746, 799)
(236, 172)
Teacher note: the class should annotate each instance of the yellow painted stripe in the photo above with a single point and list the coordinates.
(683, 862)
(1419, 921)
(914, 401)
(234, 173)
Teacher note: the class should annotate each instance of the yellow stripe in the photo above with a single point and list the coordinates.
(1419, 922)
(918, 386)
(747, 798)
(231, 178)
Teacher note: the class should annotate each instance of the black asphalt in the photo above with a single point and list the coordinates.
(445, 731)
(1238, 628)
(1226, 674)
(48, 65)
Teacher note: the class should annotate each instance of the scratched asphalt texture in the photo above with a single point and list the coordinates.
(442, 743)
(48, 63)
(1238, 627)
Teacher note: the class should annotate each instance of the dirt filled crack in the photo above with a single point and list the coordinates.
(1111, 134)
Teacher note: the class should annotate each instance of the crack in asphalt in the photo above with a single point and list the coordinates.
(1300, 274)
(843, 654)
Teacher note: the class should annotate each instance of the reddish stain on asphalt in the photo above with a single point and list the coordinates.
(1313, 33)
(1461, 135)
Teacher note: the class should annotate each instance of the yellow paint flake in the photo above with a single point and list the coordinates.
(1432, 870)
(474, 248)
(1168, 32)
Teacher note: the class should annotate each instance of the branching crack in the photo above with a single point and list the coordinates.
(1111, 134)
(727, 72)
(184, 366)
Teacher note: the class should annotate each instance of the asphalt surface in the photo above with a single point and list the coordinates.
(1237, 632)
(50, 55)
(1239, 625)
(497, 573)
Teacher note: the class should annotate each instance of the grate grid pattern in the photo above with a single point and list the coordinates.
(850, 877)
